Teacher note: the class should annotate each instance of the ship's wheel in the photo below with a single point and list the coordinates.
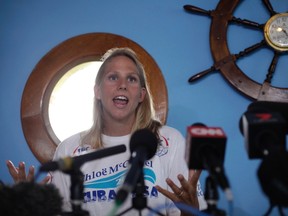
(275, 37)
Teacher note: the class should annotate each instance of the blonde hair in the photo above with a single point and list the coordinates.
(145, 113)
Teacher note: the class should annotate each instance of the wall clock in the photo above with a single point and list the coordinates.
(275, 36)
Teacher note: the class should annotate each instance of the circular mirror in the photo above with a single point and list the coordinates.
(44, 78)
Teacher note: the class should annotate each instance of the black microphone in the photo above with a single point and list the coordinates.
(270, 106)
(143, 146)
(266, 107)
(205, 149)
(30, 199)
(264, 132)
(67, 164)
(273, 178)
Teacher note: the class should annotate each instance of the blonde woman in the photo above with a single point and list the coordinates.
(123, 104)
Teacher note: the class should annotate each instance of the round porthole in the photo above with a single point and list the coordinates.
(37, 128)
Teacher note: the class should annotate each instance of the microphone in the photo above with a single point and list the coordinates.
(263, 131)
(273, 178)
(143, 146)
(29, 198)
(270, 106)
(205, 149)
(67, 164)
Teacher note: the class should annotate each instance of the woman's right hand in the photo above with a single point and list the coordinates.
(19, 173)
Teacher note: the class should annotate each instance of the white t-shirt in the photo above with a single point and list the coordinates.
(103, 177)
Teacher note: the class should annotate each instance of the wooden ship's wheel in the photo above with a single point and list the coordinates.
(275, 36)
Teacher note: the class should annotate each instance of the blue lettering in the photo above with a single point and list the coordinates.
(148, 163)
(87, 197)
(115, 169)
(94, 196)
(125, 164)
(101, 194)
(146, 192)
(154, 192)
(110, 170)
(87, 177)
(111, 195)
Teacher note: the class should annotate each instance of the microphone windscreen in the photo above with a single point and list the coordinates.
(146, 139)
(30, 199)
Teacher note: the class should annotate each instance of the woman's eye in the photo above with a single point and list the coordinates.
(132, 79)
(112, 77)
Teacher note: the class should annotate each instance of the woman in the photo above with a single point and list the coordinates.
(122, 105)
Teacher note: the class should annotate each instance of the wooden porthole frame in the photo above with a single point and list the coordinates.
(48, 71)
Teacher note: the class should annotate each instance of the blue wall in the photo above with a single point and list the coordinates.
(178, 41)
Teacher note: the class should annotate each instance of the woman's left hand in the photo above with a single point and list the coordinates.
(19, 173)
(187, 193)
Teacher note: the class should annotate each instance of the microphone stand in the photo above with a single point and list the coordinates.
(76, 193)
(139, 201)
(211, 196)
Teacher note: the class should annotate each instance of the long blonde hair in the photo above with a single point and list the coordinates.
(145, 112)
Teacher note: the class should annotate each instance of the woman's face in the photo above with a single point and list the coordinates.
(120, 91)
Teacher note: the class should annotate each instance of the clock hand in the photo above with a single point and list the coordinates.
(285, 32)
(280, 29)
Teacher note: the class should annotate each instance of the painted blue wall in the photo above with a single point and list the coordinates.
(178, 41)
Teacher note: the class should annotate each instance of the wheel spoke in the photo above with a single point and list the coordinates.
(250, 49)
(247, 23)
(201, 74)
(272, 68)
(217, 65)
(197, 10)
(269, 7)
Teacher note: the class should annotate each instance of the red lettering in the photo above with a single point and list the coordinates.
(206, 131)
(264, 116)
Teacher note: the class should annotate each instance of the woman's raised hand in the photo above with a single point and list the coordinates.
(19, 173)
(187, 193)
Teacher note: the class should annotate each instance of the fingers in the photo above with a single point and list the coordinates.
(171, 195)
(30, 176)
(19, 173)
(194, 176)
(164, 192)
(12, 169)
(184, 183)
(193, 179)
(177, 190)
(190, 189)
(46, 180)
(187, 192)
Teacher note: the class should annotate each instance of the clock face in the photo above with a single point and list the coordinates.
(276, 32)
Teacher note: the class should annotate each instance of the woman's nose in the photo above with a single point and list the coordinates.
(122, 85)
